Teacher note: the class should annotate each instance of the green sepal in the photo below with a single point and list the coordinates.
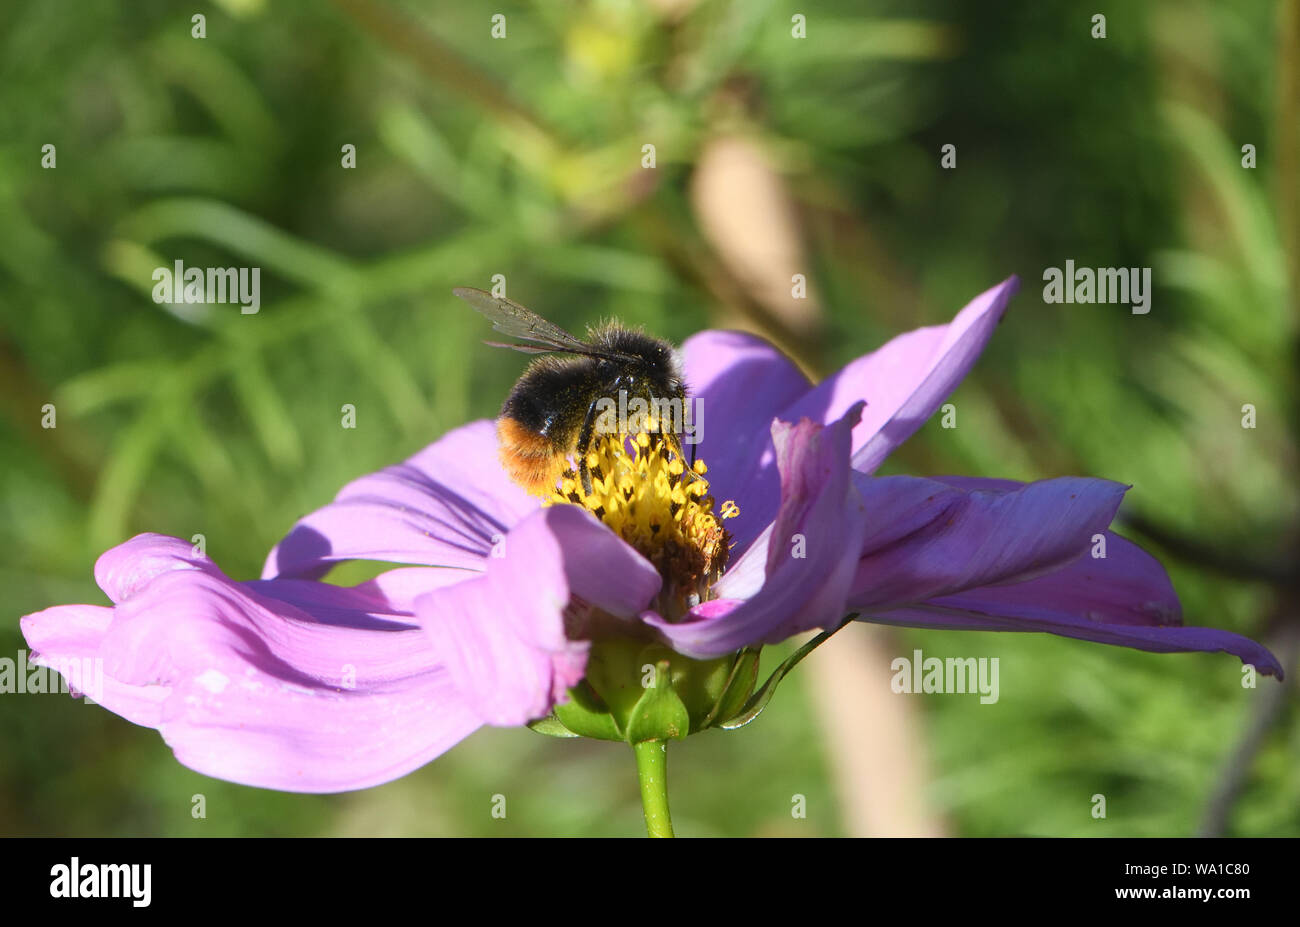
(740, 683)
(660, 713)
(614, 678)
(551, 727)
(586, 715)
(700, 684)
(755, 705)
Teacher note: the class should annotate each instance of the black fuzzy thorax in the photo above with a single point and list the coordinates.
(553, 396)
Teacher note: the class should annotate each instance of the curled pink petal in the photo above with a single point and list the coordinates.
(296, 687)
(809, 554)
(68, 638)
(510, 637)
(132, 565)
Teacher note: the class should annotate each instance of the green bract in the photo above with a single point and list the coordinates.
(637, 692)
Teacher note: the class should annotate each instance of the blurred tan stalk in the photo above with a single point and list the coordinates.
(874, 741)
(748, 217)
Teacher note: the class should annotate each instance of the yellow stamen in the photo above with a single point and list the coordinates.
(651, 499)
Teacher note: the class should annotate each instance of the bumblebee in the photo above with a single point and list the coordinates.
(558, 406)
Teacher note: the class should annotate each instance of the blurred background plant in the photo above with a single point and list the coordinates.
(773, 155)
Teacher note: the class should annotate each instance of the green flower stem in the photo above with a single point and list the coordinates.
(652, 771)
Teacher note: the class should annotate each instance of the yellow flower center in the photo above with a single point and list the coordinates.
(648, 497)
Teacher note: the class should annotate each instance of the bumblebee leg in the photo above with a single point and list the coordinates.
(674, 441)
(584, 472)
(585, 435)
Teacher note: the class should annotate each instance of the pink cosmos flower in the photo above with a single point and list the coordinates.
(290, 683)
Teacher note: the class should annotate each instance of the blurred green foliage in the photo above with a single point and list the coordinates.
(522, 156)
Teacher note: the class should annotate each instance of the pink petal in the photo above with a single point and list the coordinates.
(1124, 599)
(742, 382)
(931, 539)
(905, 381)
(445, 506)
(392, 592)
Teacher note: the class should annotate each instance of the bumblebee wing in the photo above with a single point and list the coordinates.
(522, 348)
(510, 318)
